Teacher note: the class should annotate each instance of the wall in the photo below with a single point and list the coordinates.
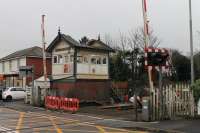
(6, 67)
(38, 67)
(1, 67)
(29, 61)
(14, 81)
(84, 90)
(89, 70)
(12, 66)
(62, 49)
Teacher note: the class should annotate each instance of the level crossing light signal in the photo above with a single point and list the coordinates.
(156, 57)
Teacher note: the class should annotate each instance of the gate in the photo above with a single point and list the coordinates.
(171, 101)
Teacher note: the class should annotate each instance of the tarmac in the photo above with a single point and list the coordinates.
(116, 119)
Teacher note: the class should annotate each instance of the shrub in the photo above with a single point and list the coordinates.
(196, 90)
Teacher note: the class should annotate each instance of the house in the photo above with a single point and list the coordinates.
(80, 70)
(10, 64)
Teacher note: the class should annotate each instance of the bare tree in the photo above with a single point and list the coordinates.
(110, 41)
(137, 39)
(134, 39)
(123, 41)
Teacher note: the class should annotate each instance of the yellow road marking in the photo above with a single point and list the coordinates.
(36, 130)
(117, 129)
(71, 130)
(128, 132)
(19, 123)
(59, 130)
(72, 122)
(101, 130)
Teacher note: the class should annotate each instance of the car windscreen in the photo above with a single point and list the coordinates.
(20, 89)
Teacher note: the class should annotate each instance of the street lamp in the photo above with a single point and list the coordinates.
(191, 43)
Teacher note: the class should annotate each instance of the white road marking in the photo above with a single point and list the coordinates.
(7, 130)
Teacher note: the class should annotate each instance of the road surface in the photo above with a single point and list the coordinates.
(12, 121)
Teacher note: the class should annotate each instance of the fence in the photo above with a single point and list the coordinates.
(171, 101)
(119, 90)
(61, 103)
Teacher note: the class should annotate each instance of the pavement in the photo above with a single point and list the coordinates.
(18, 117)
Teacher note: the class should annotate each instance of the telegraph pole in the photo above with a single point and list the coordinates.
(191, 43)
(44, 57)
(43, 49)
(146, 34)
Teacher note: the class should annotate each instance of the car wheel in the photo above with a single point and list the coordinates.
(9, 98)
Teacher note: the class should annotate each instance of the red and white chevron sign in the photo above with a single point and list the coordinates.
(164, 67)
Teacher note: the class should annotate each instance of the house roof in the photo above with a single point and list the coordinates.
(29, 52)
(74, 43)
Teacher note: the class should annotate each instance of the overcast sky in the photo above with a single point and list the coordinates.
(20, 20)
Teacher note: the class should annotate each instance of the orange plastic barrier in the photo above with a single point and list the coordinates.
(67, 104)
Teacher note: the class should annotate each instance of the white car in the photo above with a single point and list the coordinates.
(13, 93)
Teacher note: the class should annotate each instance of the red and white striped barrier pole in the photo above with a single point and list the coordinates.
(146, 33)
(146, 26)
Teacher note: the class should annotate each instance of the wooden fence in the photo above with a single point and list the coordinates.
(171, 101)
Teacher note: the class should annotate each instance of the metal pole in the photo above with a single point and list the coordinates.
(136, 108)
(161, 94)
(146, 34)
(191, 43)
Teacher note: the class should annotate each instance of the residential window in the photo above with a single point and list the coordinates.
(93, 60)
(18, 83)
(104, 60)
(10, 66)
(55, 59)
(18, 63)
(3, 66)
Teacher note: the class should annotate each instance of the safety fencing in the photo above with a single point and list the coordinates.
(62, 103)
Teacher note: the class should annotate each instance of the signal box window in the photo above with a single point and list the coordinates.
(93, 60)
(99, 60)
(71, 58)
(79, 59)
(104, 60)
(85, 59)
(66, 59)
(55, 59)
(60, 59)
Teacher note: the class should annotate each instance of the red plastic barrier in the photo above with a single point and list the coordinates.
(62, 103)
(67, 104)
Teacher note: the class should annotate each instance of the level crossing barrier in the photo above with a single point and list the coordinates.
(62, 103)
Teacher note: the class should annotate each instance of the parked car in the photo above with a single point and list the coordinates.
(13, 93)
(1, 94)
(1, 91)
